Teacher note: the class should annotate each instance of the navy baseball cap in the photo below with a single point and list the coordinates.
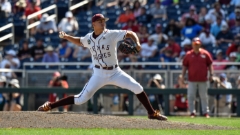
(98, 17)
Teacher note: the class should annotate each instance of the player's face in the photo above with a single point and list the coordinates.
(99, 24)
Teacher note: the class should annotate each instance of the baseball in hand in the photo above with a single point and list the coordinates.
(62, 34)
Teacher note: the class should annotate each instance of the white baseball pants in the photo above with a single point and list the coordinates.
(103, 77)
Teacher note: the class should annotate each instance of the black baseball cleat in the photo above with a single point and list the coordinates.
(45, 107)
(157, 115)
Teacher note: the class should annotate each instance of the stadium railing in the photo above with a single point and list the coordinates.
(165, 93)
(10, 35)
(38, 13)
(72, 7)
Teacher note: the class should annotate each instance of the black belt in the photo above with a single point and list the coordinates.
(107, 68)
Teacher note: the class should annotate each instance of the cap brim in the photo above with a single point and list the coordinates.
(106, 19)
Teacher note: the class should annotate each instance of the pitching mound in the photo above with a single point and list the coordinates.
(77, 120)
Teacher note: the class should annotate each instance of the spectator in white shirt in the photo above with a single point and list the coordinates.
(213, 13)
(68, 24)
(11, 60)
(46, 26)
(149, 49)
(159, 37)
(6, 6)
(207, 38)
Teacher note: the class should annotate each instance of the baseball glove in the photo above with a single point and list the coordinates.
(127, 47)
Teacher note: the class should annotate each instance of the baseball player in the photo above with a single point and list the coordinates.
(102, 44)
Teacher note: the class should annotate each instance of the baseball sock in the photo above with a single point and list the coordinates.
(64, 101)
(142, 97)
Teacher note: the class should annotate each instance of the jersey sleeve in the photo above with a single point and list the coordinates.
(84, 40)
(118, 34)
(209, 58)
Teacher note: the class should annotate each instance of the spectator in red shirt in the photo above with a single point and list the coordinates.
(172, 46)
(181, 102)
(197, 61)
(57, 81)
(32, 8)
(127, 15)
(130, 26)
(143, 34)
(234, 46)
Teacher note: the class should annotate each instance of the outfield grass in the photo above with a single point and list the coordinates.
(230, 122)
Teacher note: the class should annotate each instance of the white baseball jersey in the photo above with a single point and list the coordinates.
(104, 53)
(104, 47)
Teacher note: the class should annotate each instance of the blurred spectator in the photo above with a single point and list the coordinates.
(64, 50)
(57, 81)
(124, 17)
(38, 50)
(234, 46)
(11, 60)
(158, 11)
(216, 11)
(202, 15)
(6, 8)
(8, 75)
(159, 37)
(81, 52)
(143, 34)
(235, 2)
(224, 36)
(149, 49)
(236, 28)
(169, 2)
(238, 82)
(131, 26)
(232, 58)
(233, 15)
(238, 54)
(50, 55)
(191, 29)
(24, 52)
(186, 45)
(32, 8)
(144, 18)
(215, 27)
(207, 38)
(191, 14)
(172, 29)
(219, 58)
(46, 25)
(173, 48)
(156, 100)
(19, 7)
(13, 99)
(224, 104)
(166, 56)
(181, 102)
(68, 24)
(136, 8)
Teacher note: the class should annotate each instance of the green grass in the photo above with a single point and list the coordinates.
(230, 122)
(113, 132)
(217, 121)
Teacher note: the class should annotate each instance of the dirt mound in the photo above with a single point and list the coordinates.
(78, 120)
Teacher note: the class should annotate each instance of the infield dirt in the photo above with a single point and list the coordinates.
(27, 119)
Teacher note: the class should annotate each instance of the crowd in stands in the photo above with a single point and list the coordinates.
(164, 36)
